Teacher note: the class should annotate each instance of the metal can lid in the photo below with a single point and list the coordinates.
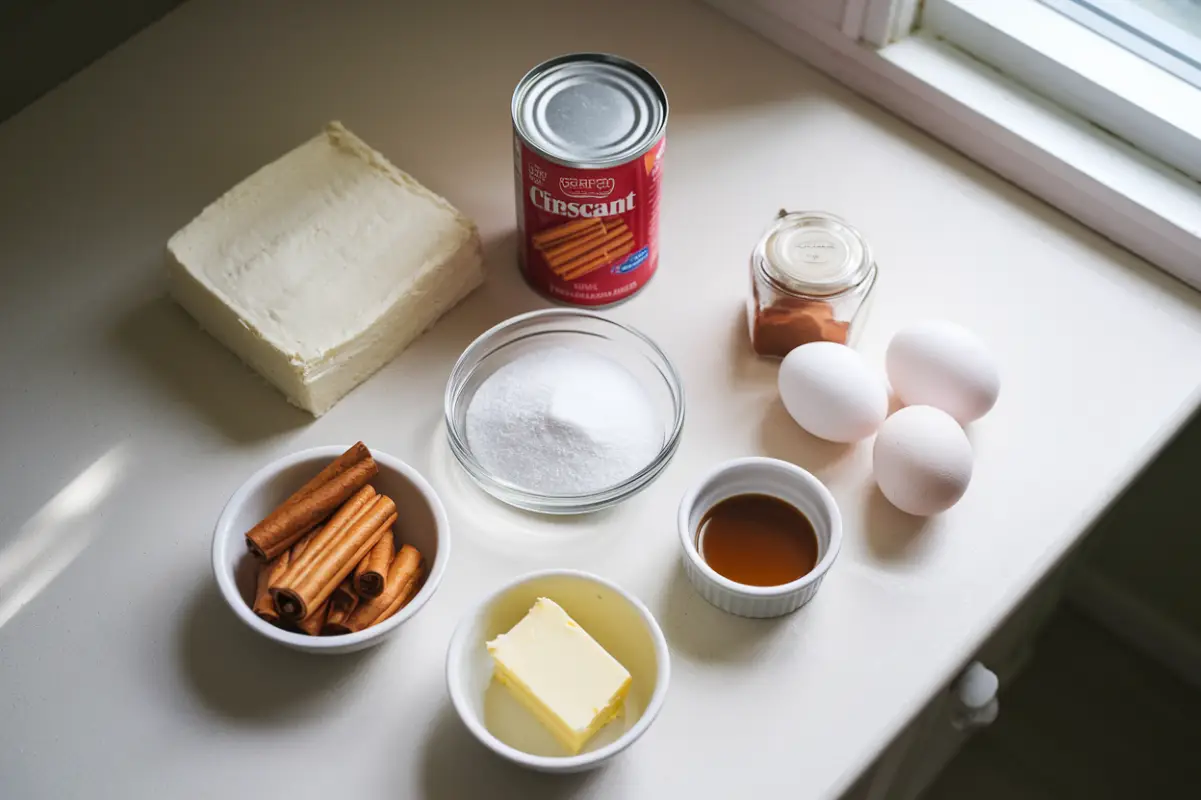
(589, 109)
(814, 253)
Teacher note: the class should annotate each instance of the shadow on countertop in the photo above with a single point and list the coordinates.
(243, 677)
(703, 632)
(893, 537)
(454, 766)
(191, 368)
(781, 437)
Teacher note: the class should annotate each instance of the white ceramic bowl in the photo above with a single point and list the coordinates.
(772, 477)
(421, 522)
(615, 618)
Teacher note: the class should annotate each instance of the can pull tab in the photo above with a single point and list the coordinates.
(976, 697)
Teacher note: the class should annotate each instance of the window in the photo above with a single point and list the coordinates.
(1093, 105)
(1165, 32)
(1104, 82)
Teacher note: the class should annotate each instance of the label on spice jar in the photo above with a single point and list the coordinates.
(589, 237)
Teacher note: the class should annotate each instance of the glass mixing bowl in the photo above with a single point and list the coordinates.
(555, 327)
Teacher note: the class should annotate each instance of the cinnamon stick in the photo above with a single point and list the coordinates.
(357, 452)
(298, 549)
(403, 596)
(311, 504)
(313, 623)
(372, 572)
(331, 558)
(345, 592)
(603, 251)
(574, 245)
(341, 603)
(329, 535)
(264, 606)
(403, 577)
(543, 238)
(618, 233)
(569, 261)
(598, 263)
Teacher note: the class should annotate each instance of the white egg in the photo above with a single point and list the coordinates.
(943, 365)
(831, 392)
(922, 460)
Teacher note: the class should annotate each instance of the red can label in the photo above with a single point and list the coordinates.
(589, 237)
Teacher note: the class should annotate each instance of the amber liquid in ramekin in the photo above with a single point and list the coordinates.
(757, 540)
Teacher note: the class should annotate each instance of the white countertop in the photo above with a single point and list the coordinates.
(124, 428)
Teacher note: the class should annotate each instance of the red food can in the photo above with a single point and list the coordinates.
(588, 139)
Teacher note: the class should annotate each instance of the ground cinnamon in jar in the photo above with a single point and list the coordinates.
(810, 274)
(779, 328)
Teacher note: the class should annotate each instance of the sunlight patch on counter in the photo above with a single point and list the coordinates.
(56, 535)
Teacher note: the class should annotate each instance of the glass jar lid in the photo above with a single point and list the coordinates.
(814, 253)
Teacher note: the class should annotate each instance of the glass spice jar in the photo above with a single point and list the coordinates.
(810, 275)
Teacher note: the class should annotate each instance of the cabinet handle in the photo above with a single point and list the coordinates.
(975, 693)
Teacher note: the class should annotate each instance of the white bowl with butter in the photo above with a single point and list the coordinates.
(615, 619)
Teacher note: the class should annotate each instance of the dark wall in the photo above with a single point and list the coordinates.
(44, 42)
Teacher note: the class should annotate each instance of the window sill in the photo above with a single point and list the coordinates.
(1123, 193)
(1080, 70)
(1128, 197)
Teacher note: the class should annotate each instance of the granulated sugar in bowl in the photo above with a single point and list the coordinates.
(561, 421)
(563, 411)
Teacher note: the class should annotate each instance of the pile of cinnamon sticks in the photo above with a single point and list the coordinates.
(576, 248)
(328, 558)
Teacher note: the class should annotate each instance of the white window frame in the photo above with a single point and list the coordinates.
(1006, 82)
(1139, 31)
(1080, 70)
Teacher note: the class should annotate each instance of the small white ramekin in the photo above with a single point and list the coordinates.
(772, 477)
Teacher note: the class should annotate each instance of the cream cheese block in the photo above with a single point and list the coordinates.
(560, 673)
(322, 266)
